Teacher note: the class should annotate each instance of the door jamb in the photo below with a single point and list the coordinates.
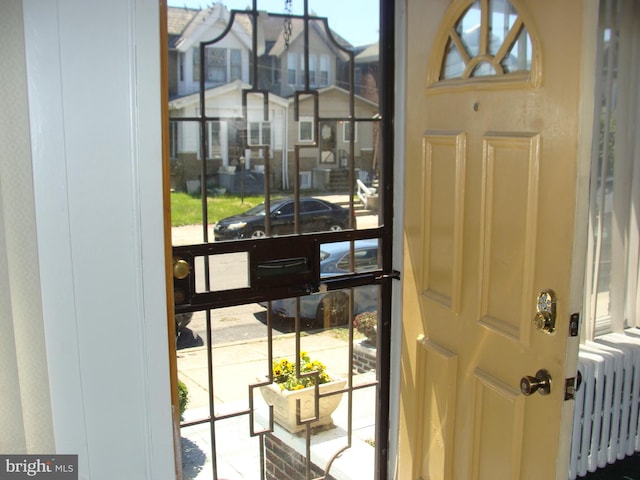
(168, 258)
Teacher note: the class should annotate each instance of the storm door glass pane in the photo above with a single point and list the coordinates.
(266, 190)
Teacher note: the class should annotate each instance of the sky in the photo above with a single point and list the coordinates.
(354, 20)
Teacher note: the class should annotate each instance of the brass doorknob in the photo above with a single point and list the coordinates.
(181, 268)
(540, 383)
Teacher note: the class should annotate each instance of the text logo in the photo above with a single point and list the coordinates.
(50, 467)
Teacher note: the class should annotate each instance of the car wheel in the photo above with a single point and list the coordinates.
(334, 227)
(258, 234)
(333, 310)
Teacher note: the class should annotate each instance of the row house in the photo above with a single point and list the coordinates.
(279, 113)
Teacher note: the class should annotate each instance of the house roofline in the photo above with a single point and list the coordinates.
(236, 85)
(341, 91)
(209, 16)
(331, 38)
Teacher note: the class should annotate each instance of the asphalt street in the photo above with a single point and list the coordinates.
(237, 323)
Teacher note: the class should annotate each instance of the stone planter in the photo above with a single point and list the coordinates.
(284, 404)
(372, 201)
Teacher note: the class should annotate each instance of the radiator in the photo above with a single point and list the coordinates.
(606, 420)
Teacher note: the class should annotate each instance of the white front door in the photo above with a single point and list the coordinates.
(493, 95)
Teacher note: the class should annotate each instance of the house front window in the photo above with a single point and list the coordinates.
(323, 77)
(235, 64)
(222, 65)
(346, 132)
(305, 130)
(303, 68)
(195, 57)
(260, 134)
(318, 70)
(359, 83)
(213, 139)
(276, 73)
(292, 69)
(216, 59)
(312, 70)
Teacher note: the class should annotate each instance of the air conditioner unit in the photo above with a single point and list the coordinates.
(305, 180)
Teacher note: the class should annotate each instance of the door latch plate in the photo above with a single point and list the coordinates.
(570, 388)
(574, 325)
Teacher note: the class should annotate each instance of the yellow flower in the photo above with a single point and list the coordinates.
(284, 373)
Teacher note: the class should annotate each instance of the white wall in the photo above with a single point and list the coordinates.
(25, 407)
(94, 103)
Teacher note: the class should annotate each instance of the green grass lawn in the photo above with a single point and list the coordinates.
(187, 209)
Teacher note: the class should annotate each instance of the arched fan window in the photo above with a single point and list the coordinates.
(489, 39)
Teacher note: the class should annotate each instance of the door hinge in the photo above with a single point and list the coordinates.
(570, 388)
(574, 324)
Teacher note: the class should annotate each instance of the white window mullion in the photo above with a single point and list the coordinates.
(632, 303)
(622, 275)
(600, 300)
(633, 288)
(597, 303)
(612, 288)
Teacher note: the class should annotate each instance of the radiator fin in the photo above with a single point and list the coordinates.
(606, 424)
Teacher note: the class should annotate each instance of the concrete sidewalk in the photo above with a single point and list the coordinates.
(238, 365)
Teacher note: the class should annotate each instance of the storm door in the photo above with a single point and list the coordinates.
(281, 174)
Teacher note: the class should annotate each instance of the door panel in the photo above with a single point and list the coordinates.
(443, 200)
(491, 169)
(508, 230)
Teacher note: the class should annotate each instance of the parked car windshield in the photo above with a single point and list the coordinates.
(260, 210)
(257, 210)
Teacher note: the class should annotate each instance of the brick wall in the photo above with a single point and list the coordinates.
(285, 463)
(364, 358)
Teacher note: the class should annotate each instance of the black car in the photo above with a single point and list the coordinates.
(316, 215)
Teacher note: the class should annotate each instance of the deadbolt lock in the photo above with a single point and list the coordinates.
(545, 319)
(544, 322)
